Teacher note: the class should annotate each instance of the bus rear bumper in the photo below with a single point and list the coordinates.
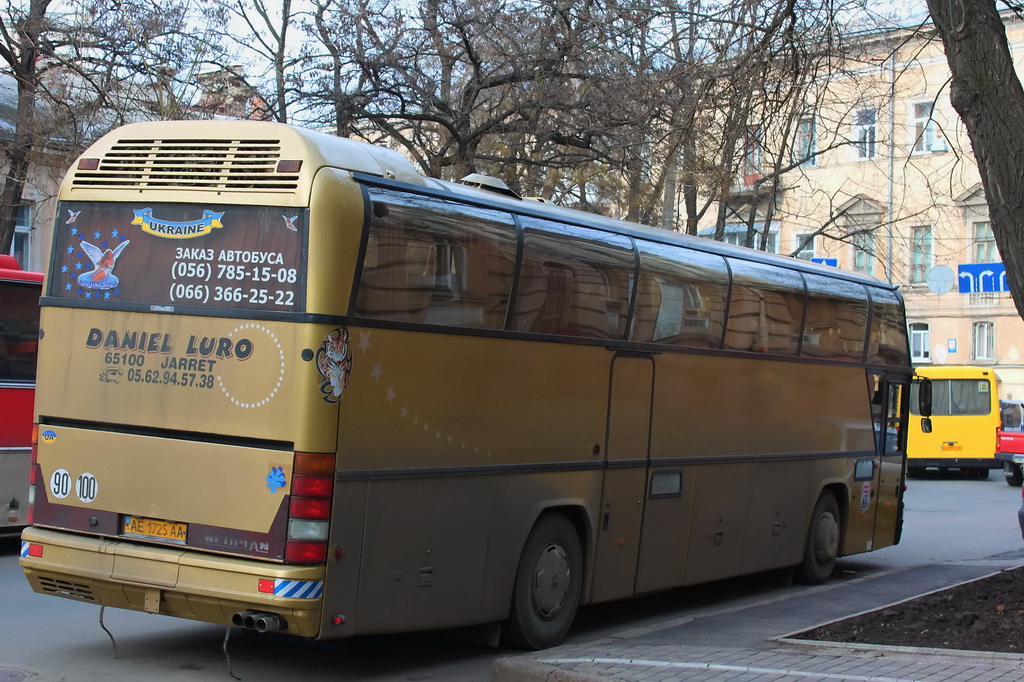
(954, 463)
(170, 581)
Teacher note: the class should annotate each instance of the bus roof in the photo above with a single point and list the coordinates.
(10, 270)
(248, 155)
(954, 371)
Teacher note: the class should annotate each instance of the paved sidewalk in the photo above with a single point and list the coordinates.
(750, 641)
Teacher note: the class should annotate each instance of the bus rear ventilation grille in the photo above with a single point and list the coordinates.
(236, 165)
(66, 588)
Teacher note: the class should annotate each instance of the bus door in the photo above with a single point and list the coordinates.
(626, 457)
(889, 420)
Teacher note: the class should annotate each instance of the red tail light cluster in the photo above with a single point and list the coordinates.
(309, 509)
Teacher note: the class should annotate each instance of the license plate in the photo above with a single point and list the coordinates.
(951, 447)
(155, 529)
(1018, 459)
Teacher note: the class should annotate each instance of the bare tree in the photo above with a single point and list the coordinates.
(82, 68)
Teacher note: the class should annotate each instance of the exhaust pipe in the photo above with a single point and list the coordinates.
(267, 622)
(238, 619)
(259, 621)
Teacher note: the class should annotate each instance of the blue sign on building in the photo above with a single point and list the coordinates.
(978, 278)
(832, 262)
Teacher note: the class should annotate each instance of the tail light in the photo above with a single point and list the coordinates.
(309, 509)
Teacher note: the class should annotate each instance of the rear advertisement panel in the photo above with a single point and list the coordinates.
(167, 255)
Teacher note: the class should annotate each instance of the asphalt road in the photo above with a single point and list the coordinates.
(50, 639)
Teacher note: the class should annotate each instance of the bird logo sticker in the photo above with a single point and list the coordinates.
(290, 222)
(72, 216)
(102, 275)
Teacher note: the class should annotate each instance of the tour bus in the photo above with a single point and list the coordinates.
(961, 431)
(290, 384)
(19, 338)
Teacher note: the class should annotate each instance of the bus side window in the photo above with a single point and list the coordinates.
(19, 332)
(436, 262)
(836, 324)
(766, 309)
(681, 296)
(573, 282)
(887, 339)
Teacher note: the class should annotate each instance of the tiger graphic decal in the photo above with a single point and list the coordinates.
(334, 362)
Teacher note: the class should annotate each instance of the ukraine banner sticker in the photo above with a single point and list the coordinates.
(169, 229)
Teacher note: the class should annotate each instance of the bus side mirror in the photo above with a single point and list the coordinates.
(924, 397)
(926, 424)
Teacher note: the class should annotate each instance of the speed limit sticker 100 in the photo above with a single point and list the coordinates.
(85, 487)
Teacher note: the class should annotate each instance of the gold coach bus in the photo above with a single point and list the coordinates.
(288, 383)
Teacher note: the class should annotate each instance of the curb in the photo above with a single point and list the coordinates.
(530, 670)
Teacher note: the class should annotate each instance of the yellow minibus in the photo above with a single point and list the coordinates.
(961, 431)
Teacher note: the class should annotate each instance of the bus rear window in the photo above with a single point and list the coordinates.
(957, 397)
(180, 255)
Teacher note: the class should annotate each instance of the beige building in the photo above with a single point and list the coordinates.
(891, 189)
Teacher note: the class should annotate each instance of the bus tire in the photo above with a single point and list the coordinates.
(548, 585)
(1013, 474)
(822, 547)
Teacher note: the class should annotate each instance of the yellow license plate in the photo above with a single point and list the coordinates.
(951, 447)
(155, 529)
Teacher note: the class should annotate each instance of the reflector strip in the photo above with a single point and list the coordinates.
(299, 589)
(24, 549)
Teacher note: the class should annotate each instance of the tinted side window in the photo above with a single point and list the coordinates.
(436, 262)
(887, 343)
(573, 281)
(19, 331)
(837, 319)
(681, 297)
(766, 309)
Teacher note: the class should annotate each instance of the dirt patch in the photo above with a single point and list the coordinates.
(983, 615)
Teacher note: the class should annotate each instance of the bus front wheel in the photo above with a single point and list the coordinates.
(548, 585)
(822, 547)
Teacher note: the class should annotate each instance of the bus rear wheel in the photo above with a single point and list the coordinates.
(822, 547)
(548, 586)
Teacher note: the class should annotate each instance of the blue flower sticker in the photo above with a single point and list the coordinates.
(275, 479)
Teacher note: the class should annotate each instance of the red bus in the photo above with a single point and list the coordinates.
(19, 339)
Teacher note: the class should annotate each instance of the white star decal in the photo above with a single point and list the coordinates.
(364, 342)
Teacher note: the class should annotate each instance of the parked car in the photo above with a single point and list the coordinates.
(1010, 441)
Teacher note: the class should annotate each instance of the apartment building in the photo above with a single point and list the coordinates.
(890, 188)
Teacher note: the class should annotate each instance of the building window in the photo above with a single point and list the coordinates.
(864, 253)
(984, 343)
(804, 247)
(983, 248)
(740, 238)
(752, 153)
(925, 130)
(806, 145)
(919, 342)
(20, 245)
(922, 256)
(864, 132)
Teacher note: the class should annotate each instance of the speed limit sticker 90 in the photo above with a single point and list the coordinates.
(85, 486)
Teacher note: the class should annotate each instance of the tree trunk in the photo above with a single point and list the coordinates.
(21, 58)
(987, 94)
